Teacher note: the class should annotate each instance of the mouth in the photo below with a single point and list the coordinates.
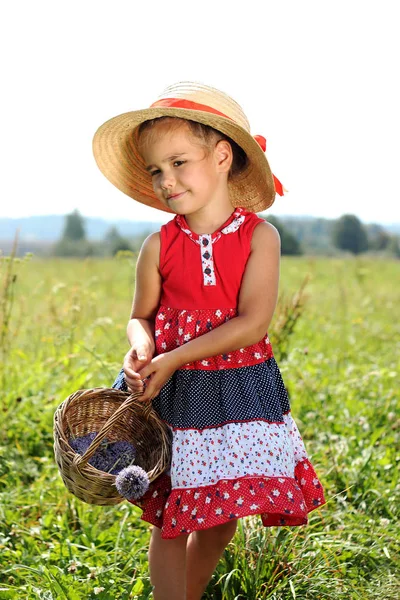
(174, 196)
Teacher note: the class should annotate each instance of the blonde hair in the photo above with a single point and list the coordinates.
(206, 135)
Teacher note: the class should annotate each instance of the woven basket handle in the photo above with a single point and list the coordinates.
(82, 460)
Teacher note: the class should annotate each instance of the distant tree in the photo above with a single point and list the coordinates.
(348, 233)
(74, 227)
(73, 248)
(116, 241)
(290, 245)
(73, 240)
(394, 246)
(378, 237)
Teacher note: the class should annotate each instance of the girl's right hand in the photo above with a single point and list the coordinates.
(135, 359)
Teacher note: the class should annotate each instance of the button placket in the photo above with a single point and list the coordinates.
(207, 261)
(205, 242)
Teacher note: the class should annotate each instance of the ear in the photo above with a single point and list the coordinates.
(223, 156)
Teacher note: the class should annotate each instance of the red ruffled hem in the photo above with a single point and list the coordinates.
(280, 501)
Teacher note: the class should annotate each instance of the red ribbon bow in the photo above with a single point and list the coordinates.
(262, 142)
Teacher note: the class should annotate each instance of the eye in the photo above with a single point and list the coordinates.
(178, 163)
(156, 172)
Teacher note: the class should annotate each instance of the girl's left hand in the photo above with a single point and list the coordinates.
(159, 370)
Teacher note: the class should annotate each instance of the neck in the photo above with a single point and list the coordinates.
(210, 218)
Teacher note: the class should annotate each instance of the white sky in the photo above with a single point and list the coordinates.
(319, 79)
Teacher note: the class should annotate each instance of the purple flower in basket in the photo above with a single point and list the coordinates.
(110, 457)
(132, 482)
(121, 454)
(81, 444)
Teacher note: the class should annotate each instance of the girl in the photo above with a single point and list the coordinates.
(206, 290)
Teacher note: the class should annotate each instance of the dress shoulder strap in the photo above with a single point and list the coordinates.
(250, 223)
(168, 234)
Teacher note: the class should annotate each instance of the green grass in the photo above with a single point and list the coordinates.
(67, 331)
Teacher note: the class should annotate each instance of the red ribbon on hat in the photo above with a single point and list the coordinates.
(181, 103)
(262, 142)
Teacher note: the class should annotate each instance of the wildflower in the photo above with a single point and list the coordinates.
(73, 566)
(132, 482)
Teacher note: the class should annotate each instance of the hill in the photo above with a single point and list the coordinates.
(48, 228)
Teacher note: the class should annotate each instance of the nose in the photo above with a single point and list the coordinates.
(167, 180)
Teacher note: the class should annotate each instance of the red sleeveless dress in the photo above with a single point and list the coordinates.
(236, 450)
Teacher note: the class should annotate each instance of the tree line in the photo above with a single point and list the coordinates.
(346, 234)
(74, 241)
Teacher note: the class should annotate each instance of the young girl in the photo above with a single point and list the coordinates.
(206, 290)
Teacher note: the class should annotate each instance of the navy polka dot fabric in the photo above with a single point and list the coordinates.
(199, 399)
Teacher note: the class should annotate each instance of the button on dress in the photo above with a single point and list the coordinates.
(236, 450)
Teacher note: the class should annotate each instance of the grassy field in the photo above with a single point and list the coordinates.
(63, 328)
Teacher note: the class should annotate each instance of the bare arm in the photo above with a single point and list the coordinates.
(257, 301)
(140, 328)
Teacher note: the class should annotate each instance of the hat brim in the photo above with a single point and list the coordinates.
(119, 160)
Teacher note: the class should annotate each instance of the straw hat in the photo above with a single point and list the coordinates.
(117, 156)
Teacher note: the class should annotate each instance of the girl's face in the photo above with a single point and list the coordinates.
(186, 176)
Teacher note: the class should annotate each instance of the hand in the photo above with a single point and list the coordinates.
(159, 370)
(135, 359)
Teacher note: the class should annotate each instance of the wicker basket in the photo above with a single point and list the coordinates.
(119, 416)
